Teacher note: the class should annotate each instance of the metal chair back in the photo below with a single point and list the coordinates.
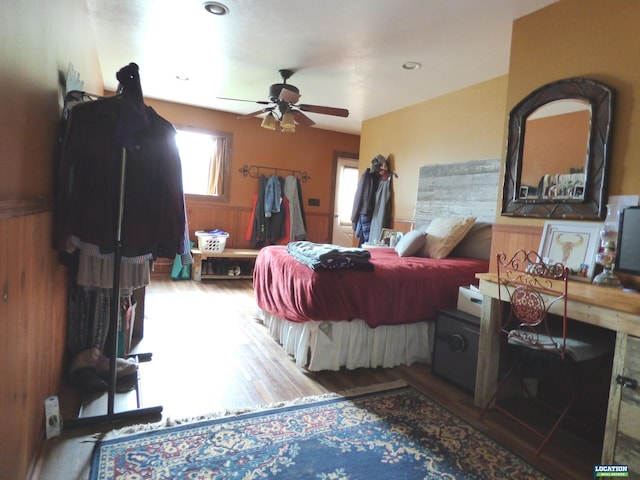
(534, 290)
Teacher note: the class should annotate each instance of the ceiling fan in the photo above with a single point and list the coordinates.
(282, 106)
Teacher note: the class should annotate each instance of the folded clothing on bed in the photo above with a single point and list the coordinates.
(327, 256)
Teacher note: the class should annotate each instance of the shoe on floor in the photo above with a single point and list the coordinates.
(124, 367)
(88, 380)
(92, 358)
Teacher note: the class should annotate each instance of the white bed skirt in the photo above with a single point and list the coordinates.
(352, 344)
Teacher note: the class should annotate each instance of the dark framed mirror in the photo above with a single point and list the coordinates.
(557, 151)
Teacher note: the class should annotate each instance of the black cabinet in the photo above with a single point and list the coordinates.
(455, 353)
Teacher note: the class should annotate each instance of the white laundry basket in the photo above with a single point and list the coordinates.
(211, 242)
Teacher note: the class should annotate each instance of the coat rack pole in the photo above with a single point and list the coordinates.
(114, 314)
(115, 296)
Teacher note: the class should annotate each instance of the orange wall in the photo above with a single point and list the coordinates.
(591, 38)
(464, 125)
(554, 145)
(585, 38)
(309, 150)
(571, 38)
(37, 42)
(32, 58)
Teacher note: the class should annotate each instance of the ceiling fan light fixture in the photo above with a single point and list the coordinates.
(269, 122)
(287, 123)
(216, 8)
(282, 107)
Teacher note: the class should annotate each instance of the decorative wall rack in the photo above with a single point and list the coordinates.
(254, 171)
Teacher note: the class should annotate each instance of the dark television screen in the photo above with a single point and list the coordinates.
(628, 248)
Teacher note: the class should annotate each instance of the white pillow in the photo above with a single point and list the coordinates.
(444, 233)
(411, 243)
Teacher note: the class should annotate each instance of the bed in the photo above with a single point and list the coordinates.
(329, 319)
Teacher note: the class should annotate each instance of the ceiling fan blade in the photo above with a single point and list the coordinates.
(259, 102)
(337, 112)
(253, 114)
(302, 119)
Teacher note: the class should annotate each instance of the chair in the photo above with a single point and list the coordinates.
(537, 334)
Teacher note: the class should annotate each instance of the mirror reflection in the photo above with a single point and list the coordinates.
(555, 151)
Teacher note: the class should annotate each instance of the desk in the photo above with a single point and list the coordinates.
(606, 307)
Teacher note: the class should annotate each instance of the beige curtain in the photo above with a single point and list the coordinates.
(216, 168)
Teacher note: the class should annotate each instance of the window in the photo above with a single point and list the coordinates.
(205, 158)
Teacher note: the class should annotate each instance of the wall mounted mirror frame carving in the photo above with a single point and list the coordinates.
(576, 190)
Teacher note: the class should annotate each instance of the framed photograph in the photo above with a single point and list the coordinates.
(574, 244)
(386, 234)
(524, 192)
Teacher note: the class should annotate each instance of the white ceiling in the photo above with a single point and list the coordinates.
(345, 53)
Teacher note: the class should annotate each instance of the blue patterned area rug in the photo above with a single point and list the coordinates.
(394, 434)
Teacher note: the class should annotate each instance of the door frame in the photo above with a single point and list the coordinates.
(332, 196)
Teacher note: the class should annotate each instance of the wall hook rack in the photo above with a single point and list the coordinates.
(254, 171)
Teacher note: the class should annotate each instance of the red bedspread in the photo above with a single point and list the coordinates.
(399, 290)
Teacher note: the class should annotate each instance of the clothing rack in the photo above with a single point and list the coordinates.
(129, 82)
(254, 171)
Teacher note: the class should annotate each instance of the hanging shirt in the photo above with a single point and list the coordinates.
(89, 184)
(298, 230)
(272, 196)
(364, 199)
(381, 216)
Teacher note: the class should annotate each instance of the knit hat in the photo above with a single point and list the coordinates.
(377, 162)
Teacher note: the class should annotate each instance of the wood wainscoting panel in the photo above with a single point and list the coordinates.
(202, 215)
(235, 221)
(318, 225)
(21, 206)
(510, 238)
(33, 328)
(403, 225)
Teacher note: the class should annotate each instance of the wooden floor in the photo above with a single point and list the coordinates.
(210, 355)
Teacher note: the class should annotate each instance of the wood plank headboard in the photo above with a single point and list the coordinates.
(458, 189)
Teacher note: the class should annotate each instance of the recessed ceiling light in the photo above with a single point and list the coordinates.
(411, 65)
(216, 8)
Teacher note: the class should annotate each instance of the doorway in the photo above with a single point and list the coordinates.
(346, 184)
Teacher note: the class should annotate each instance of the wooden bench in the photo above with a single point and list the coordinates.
(244, 256)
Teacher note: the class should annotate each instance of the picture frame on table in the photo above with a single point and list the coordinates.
(574, 244)
(386, 234)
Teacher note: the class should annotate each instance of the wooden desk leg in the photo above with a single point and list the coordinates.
(488, 352)
(615, 395)
(196, 268)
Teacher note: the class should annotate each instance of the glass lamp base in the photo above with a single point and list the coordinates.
(607, 279)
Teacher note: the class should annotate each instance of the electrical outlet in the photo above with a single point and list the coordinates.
(52, 418)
